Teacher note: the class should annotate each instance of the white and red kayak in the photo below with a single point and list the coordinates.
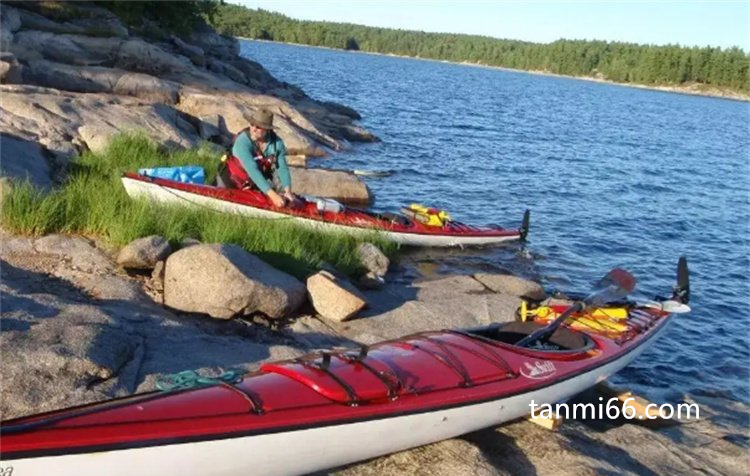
(329, 409)
(398, 229)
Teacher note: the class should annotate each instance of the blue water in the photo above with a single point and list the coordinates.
(614, 176)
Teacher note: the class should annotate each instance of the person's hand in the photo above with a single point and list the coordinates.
(276, 199)
(289, 196)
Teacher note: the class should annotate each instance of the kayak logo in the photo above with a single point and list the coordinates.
(538, 370)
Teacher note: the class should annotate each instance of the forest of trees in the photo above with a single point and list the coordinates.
(614, 61)
(180, 17)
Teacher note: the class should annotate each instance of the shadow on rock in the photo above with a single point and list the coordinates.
(8, 324)
(23, 281)
(24, 160)
(389, 298)
(20, 303)
(599, 450)
(502, 452)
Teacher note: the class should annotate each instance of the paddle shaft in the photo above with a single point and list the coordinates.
(615, 285)
(552, 327)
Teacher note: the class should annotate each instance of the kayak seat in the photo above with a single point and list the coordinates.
(396, 219)
(563, 339)
(393, 218)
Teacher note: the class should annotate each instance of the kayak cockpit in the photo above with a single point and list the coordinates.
(563, 340)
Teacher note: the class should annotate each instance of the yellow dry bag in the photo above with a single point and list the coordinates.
(427, 215)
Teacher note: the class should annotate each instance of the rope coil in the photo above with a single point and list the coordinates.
(190, 379)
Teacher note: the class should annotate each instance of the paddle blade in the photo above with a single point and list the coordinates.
(617, 284)
(682, 290)
(525, 225)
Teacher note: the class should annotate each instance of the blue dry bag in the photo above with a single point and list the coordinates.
(185, 174)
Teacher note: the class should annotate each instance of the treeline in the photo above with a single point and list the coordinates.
(180, 17)
(622, 62)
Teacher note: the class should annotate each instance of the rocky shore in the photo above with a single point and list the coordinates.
(83, 322)
(71, 80)
(77, 327)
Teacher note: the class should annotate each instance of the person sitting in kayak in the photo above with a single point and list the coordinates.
(258, 157)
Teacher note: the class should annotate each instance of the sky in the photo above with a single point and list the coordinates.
(723, 23)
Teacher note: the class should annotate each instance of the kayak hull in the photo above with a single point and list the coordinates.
(325, 434)
(308, 450)
(354, 222)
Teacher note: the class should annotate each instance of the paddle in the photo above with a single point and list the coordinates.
(677, 304)
(617, 284)
(525, 225)
(681, 292)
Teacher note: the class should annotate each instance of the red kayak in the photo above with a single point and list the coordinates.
(330, 408)
(396, 228)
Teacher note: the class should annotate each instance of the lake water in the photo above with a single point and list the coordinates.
(614, 176)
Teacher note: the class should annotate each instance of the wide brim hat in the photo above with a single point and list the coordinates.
(262, 119)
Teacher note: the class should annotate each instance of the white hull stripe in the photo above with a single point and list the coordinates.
(159, 193)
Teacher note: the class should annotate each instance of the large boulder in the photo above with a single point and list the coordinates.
(376, 265)
(374, 260)
(224, 281)
(338, 185)
(144, 253)
(334, 298)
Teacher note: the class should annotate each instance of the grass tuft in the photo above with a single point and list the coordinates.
(93, 202)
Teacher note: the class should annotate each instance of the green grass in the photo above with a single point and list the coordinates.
(93, 202)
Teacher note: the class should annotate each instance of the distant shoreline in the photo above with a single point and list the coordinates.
(694, 89)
